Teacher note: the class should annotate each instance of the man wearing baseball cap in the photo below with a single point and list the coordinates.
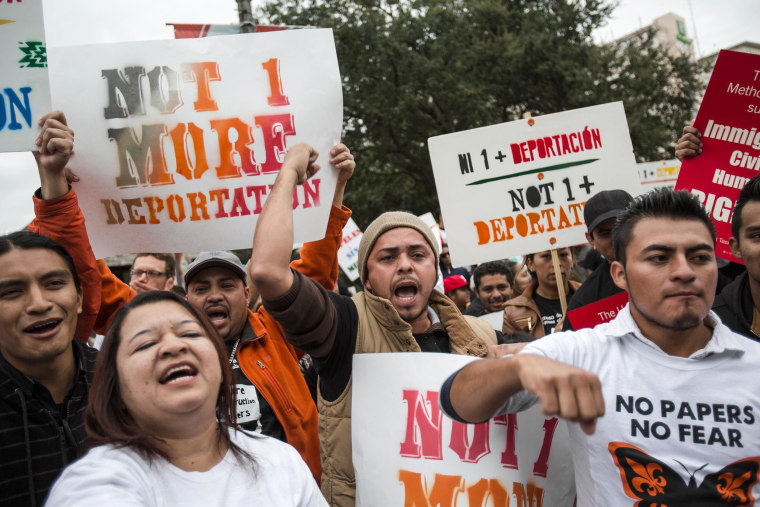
(600, 215)
(398, 311)
(456, 289)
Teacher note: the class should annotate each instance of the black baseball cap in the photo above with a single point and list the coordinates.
(216, 258)
(606, 204)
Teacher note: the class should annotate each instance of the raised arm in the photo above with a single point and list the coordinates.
(57, 213)
(482, 388)
(319, 259)
(269, 268)
(273, 239)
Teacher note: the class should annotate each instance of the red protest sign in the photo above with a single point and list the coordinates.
(728, 118)
(597, 313)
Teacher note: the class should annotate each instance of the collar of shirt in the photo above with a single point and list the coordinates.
(34, 389)
(723, 341)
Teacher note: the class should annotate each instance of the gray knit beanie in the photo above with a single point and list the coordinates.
(386, 222)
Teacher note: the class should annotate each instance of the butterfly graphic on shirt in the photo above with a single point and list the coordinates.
(655, 484)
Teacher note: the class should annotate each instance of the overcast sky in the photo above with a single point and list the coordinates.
(714, 24)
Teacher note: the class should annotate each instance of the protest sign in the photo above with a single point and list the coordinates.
(658, 174)
(597, 312)
(24, 90)
(520, 187)
(728, 120)
(406, 452)
(179, 141)
(348, 253)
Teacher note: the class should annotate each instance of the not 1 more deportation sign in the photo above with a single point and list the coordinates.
(520, 187)
(406, 452)
(24, 88)
(178, 142)
(729, 119)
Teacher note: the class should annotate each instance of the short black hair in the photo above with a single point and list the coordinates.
(492, 268)
(26, 240)
(658, 203)
(750, 192)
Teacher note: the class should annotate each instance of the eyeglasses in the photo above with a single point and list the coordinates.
(445, 254)
(137, 273)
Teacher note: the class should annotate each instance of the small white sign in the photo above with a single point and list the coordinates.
(179, 141)
(520, 187)
(658, 174)
(24, 88)
(348, 253)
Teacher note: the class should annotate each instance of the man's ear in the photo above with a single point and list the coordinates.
(733, 243)
(368, 285)
(247, 296)
(590, 239)
(617, 271)
(169, 283)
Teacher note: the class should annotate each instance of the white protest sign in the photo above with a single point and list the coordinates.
(24, 90)
(348, 253)
(407, 453)
(178, 142)
(658, 174)
(520, 187)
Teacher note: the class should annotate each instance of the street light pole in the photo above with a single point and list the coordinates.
(247, 23)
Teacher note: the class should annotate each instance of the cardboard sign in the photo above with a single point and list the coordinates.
(658, 174)
(179, 141)
(348, 253)
(520, 187)
(729, 119)
(598, 312)
(24, 89)
(406, 452)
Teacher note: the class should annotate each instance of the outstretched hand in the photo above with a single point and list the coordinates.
(301, 158)
(563, 390)
(690, 143)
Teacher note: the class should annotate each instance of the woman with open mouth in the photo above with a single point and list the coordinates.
(162, 417)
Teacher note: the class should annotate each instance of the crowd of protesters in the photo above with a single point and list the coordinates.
(155, 417)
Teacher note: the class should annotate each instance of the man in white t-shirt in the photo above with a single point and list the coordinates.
(667, 398)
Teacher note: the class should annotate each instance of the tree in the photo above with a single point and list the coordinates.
(413, 69)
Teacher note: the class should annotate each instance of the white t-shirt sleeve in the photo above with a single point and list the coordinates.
(565, 347)
(105, 476)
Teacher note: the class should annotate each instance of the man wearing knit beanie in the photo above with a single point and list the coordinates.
(399, 310)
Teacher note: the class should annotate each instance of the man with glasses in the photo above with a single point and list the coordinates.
(152, 271)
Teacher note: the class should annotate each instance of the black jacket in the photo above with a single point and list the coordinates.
(36, 443)
(734, 306)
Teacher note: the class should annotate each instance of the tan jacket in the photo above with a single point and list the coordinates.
(521, 313)
(380, 329)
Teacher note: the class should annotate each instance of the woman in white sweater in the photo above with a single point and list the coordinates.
(162, 414)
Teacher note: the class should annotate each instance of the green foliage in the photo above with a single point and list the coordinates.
(413, 69)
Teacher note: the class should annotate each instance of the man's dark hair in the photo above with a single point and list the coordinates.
(169, 261)
(658, 203)
(750, 192)
(26, 240)
(492, 268)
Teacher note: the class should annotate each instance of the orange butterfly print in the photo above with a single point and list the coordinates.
(655, 484)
